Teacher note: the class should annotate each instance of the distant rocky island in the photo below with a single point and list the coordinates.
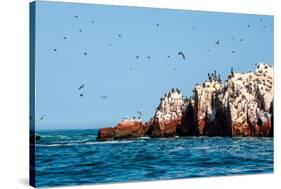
(240, 106)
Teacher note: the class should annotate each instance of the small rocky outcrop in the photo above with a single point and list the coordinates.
(240, 106)
(168, 114)
(125, 129)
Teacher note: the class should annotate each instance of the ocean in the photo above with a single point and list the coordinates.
(74, 157)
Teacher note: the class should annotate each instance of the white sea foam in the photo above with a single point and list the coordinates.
(85, 143)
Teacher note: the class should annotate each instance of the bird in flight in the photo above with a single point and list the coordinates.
(233, 51)
(81, 94)
(92, 21)
(64, 37)
(55, 50)
(217, 42)
(148, 57)
(85, 53)
(139, 112)
(104, 97)
(76, 16)
(248, 25)
(81, 87)
(137, 57)
(168, 56)
(181, 53)
(241, 39)
(41, 118)
(157, 25)
(119, 35)
(131, 68)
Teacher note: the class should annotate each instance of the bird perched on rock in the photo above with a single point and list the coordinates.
(181, 53)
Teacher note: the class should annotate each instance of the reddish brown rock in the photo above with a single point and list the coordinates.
(128, 129)
(165, 128)
(106, 134)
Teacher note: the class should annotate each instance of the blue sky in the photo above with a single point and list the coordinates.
(111, 68)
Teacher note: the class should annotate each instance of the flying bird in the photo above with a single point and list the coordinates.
(241, 39)
(168, 56)
(55, 49)
(181, 53)
(41, 118)
(81, 87)
(137, 57)
(148, 57)
(233, 51)
(131, 68)
(85, 53)
(80, 30)
(64, 38)
(81, 94)
(249, 25)
(119, 35)
(93, 21)
(157, 25)
(76, 16)
(217, 42)
(104, 97)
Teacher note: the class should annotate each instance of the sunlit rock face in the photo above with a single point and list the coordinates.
(246, 101)
(205, 110)
(168, 114)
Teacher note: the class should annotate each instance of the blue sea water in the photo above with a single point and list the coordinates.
(73, 157)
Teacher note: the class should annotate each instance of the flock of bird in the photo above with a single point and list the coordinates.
(180, 53)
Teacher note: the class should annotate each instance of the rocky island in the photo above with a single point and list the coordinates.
(242, 105)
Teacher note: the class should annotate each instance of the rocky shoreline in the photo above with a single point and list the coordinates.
(240, 106)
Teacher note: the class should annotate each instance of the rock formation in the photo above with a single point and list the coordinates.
(241, 106)
(168, 114)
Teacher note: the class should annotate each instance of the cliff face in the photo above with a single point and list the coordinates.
(168, 114)
(241, 106)
(246, 102)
